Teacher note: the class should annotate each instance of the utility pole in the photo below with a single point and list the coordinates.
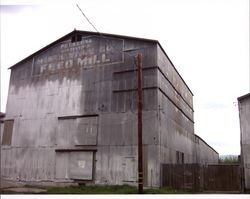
(139, 107)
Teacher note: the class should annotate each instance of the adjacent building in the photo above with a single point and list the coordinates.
(2, 115)
(71, 113)
(244, 113)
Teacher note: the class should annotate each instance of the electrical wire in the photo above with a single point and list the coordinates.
(87, 19)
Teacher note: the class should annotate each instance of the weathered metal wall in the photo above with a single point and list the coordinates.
(176, 124)
(80, 97)
(74, 111)
(244, 111)
(204, 153)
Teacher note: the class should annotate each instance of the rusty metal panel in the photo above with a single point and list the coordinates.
(81, 165)
(7, 132)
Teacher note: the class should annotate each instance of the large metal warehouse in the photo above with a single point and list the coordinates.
(244, 113)
(71, 113)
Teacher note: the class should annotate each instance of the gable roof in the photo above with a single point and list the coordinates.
(99, 34)
(2, 114)
(206, 143)
(74, 32)
(244, 97)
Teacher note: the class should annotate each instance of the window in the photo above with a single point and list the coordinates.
(76, 38)
(73, 39)
(7, 132)
(179, 157)
(82, 128)
(182, 158)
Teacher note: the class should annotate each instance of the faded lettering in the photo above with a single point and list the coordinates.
(91, 51)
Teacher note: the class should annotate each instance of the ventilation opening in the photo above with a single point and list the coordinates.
(7, 132)
(73, 39)
(76, 38)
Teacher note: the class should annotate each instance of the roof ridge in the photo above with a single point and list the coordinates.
(75, 31)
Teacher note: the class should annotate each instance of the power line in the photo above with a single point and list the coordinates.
(87, 19)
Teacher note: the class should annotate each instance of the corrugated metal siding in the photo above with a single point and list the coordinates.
(77, 131)
(176, 123)
(7, 132)
(244, 111)
(96, 77)
(24, 164)
(81, 165)
(44, 93)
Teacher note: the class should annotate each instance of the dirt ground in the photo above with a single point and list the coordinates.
(9, 187)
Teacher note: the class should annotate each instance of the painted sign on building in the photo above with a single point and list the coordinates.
(89, 52)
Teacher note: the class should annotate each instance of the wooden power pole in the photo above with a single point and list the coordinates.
(139, 107)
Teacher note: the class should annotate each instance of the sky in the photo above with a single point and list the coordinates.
(207, 41)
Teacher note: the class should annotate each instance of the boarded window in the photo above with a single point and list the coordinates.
(81, 165)
(7, 132)
(73, 39)
(86, 131)
(75, 165)
(77, 130)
